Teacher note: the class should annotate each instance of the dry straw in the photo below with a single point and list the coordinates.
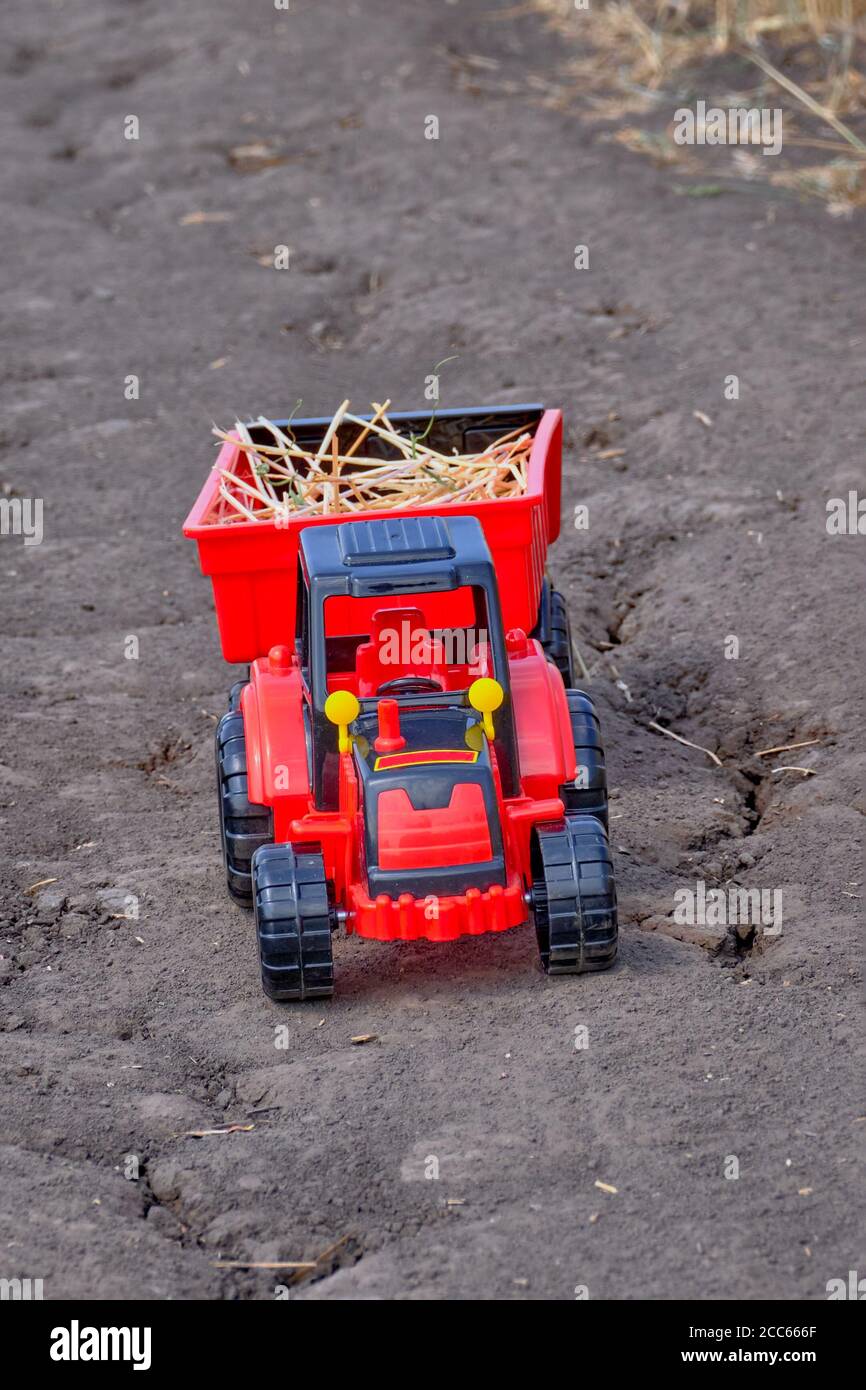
(636, 55)
(284, 480)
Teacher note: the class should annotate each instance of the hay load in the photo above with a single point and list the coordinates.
(360, 466)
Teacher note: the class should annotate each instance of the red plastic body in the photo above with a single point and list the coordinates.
(253, 564)
(253, 568)
(278, 777)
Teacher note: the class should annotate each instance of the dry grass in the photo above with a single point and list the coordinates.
(281, 480)
(634, 55)
(652, 40)
(841, 184)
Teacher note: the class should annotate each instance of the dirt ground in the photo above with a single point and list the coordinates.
(153, 257)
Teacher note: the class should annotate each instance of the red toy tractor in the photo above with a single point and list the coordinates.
(408, 757)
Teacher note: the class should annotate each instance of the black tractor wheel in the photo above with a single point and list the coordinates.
(243, 825)
(237, 690)
(553, 630)
(573, 896)
(295, 916)
(587, 793)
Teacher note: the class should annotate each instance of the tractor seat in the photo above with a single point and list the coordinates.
(400, 646)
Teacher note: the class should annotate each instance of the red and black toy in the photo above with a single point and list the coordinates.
(409, 757)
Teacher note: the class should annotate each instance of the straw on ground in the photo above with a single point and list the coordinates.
(670, 733)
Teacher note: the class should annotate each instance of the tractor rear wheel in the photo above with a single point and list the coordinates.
(553, 631)
(243, 825)
(295, 916)
(573, 896)
(586, 794)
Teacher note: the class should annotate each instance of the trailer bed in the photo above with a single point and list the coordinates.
(253, 564)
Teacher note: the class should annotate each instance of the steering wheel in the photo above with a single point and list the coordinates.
(410, 685)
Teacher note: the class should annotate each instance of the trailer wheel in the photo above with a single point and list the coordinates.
(243, 825)
(573, 896)
(587, 793)
(553, 631)
(295, 916)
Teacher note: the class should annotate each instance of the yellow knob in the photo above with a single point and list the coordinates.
(341, 707)
(486, 695)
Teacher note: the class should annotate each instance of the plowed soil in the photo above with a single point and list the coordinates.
(131, 1009)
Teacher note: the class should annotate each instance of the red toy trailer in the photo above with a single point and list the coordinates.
(408, 757)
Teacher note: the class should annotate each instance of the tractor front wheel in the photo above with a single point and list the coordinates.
(295, 916)
(573, 896)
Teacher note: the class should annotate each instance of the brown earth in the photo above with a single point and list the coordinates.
(119, 1034)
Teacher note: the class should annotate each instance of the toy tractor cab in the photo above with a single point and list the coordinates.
(407, 762)
(399, 635)
(405, 612)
